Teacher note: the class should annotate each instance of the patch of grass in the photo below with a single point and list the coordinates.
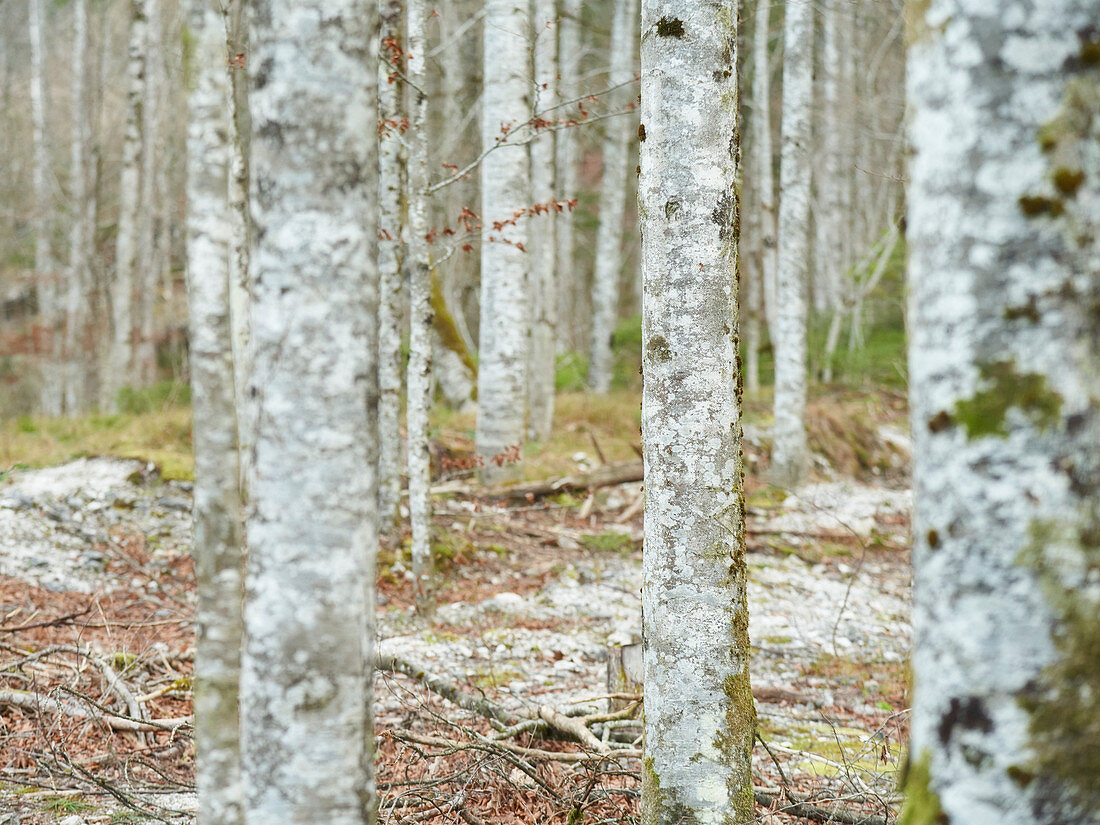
(161, 435)
(610, 541)
(66, 805)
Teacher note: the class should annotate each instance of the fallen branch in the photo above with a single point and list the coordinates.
(622, 472)
(798, 806)
(448, 690)
(37, 702)
(519, 750)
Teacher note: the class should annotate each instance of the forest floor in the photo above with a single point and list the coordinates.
(97, 602)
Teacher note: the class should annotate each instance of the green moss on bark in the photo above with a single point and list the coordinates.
(445, 326)
(1002, 389)
(922, 804)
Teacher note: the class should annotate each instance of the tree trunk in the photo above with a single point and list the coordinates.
(45, 265)
(78, 288)
(699, 715)
(419, 385)
(609, 237)
(391, 311)
(543, 244)
(149, 259)
(762, 144)
(505, 311)
(1004, 361)
(829, 212)
(312, 530)
(218, 557)
(571, 299)
(117, 372)
(790, 454)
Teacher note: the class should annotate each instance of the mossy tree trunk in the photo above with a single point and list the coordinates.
(1004, 367)
(699, 715)
(312, 526)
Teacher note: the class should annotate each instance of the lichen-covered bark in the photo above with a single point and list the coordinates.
(218, 557)
(116, 372)
(762, 152)
(1004, 209)
(830, 210)
(419, 384)
(391, 226)
(790, 455)
(699, 717)
(505, 302)
(571, 303)
(79, 275)
(149, 258)
(543, 270)
(609, 237)
(312, 531)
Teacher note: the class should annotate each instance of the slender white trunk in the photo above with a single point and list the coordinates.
(609, 237)
(543, 243)
(391, 231)
(148, 258)
(829, 212)
(699, 716)
(419, 382)
(79, 276)
(312, 525)
(240, 239)
(790, 455)
(571, 283)
(1004, 209)
(45, 266)
(218, 557)
(762, 145)
(118, 368)
(505, 307)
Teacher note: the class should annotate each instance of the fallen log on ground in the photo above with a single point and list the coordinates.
(623, 472)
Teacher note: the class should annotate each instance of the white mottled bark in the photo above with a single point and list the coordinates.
(762, 146)
(312, 524)
(1004, 209)
(79, 275)
(830, 208)
(218, 557)
(505, 305)
(240, 239)
(149, 257)
(392, 229)
(609, 236)
(699, 716)
(543, 243)
(790, 455)
(116, 373)
(45, 265)
(419, 382)
(570, 281)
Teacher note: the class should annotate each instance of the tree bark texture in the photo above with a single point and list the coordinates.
(571, 284)
(1004, 366)
(505, 305)
(419, 383)
(391, 311)
(790, 453)
(218, 557)
(609, 237)
(312, 529)
(149, 260)
(699, 715)
(543, 243)
(762, 145)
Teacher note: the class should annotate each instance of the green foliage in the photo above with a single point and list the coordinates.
(571, 371)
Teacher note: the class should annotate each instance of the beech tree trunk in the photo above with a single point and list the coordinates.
(505, 307)
(830, 210)
(218, 539)
(571, 284)
(419, 386)
(78, 288)
(699, 714)
(762, 146)
(45, 265)
(391, 232)
(609, 237)
(312, 527)
(543, 243)
(1004, 209)
(117, 371)
(790, 455)
(149, 259)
